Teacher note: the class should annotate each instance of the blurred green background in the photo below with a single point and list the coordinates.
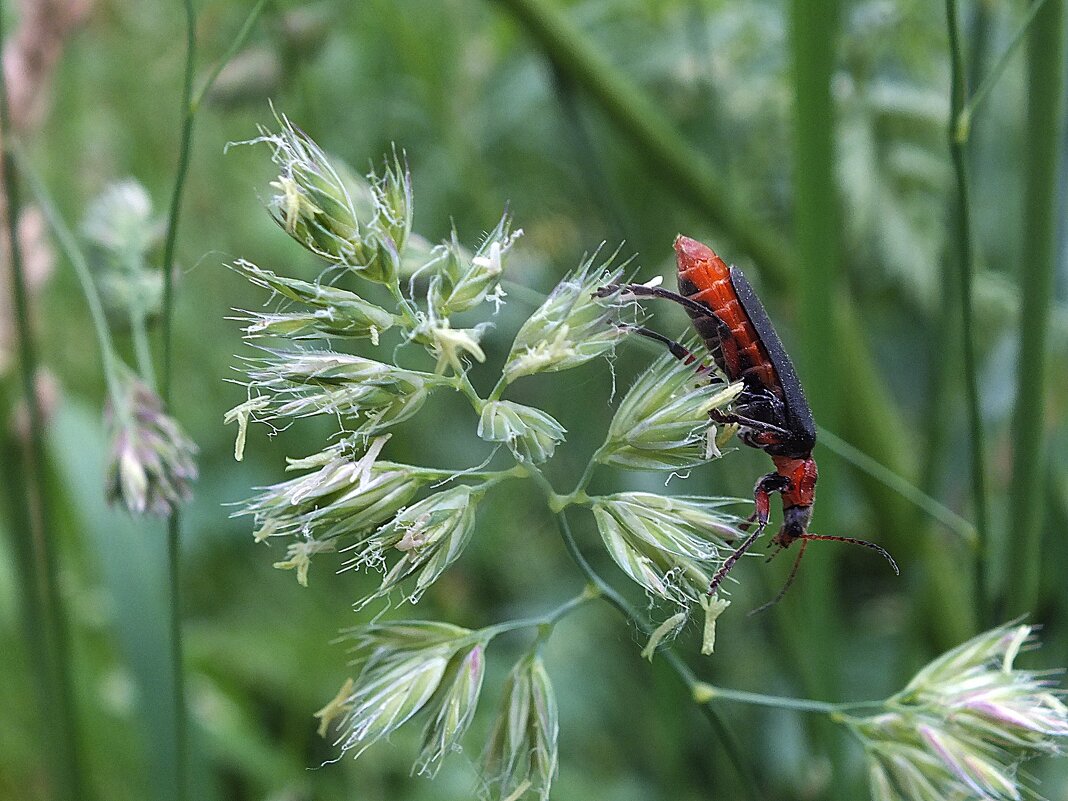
(491, 115)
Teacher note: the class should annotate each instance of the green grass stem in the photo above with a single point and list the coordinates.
(813, 44)
(813, 40)
(913, 494)
(966, 269)
(174, 213)
(967, 114)
(68, 243)
(188, 111)
(674, 661)
(1043, 143)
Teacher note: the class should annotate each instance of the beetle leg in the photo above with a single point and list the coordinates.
(729, 562)
(641, 290)
(747, 422)
(679, 351)
(772, 482)
(725, 351)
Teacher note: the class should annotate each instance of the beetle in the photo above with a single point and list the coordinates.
(771, 411)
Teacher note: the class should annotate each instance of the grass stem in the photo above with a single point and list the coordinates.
(678, 666)
(188, 111)
(174, 553)
(814, 45)
(1044, 140)
(967, 114)
(73, 253)
(966, 268)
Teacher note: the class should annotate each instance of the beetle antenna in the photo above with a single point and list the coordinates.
(854, 541)
(730, 561)
(786, 586)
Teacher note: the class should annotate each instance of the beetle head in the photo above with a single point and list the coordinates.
(794, 525)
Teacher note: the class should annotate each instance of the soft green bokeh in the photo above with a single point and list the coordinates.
(486, 123)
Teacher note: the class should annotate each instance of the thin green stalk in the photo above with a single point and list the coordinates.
(188, 114)
(178, 702)
(980, 34)
(967, 114)
(189, 107)
(946, 589)
(587, 475)
(707, 693)
(34, 545)
(965, 263)
(813, 37)
(814, 45)
(914, 495)
(463, 384)
(703, 694)
(235, 45)
(547, 620)
(1044, 140)
(498, 388)
(69, 245)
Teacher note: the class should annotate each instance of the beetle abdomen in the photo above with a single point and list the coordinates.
(727, 331)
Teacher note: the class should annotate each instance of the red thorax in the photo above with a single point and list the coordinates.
(802, 475)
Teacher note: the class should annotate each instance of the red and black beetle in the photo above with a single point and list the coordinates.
(771, 411)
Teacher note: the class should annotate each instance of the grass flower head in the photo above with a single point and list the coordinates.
(151, 465)
(964, 724)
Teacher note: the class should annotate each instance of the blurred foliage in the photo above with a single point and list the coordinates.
(484, 121)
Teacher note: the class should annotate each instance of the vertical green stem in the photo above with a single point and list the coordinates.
(814, 36)
(181, 744)
(181, 736)
(814, 47)
(34, 544)
(184, 146)
(189, 107)
(962, 224)
(1043, 139)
